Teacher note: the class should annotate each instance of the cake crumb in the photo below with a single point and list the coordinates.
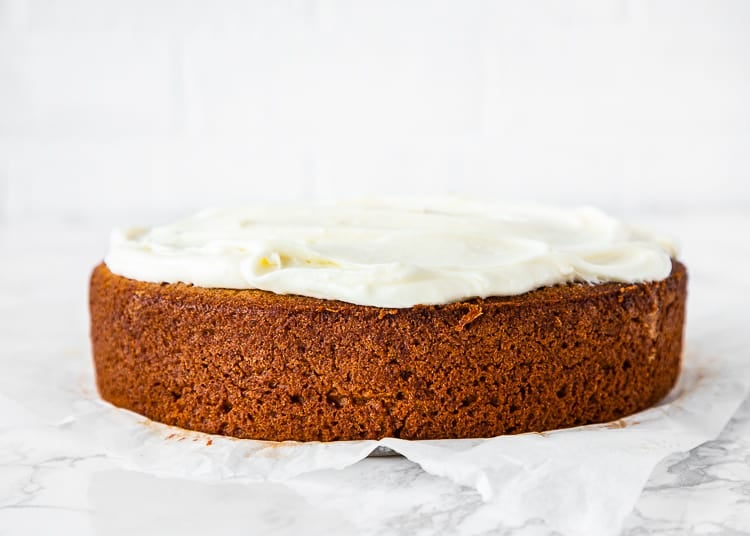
(474, 312)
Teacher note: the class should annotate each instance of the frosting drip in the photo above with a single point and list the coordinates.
(395, 253)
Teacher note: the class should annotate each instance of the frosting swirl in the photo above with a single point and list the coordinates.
(391, 253)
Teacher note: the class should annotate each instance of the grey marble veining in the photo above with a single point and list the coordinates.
(61, 487)
(704, 491)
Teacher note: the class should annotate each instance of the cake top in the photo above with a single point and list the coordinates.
(391, 253)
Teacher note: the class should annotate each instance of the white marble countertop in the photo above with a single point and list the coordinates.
(65, 489)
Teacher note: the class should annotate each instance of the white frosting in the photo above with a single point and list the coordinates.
(391, 253)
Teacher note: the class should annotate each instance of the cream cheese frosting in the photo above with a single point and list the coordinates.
(391, 253)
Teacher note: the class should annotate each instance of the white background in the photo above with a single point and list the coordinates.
(119, 112)
(139, 110)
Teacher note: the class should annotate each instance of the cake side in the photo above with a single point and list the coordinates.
(254, 364)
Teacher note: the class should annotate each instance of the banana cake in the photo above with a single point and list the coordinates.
(412, 319)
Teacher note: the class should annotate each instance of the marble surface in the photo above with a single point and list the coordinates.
(65, 487)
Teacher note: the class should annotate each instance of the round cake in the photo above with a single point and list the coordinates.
(414, 320)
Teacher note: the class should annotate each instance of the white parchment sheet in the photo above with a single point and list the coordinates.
(581, 480)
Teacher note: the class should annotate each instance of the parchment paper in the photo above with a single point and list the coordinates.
(581, 480)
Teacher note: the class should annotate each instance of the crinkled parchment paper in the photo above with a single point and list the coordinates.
(581, 480)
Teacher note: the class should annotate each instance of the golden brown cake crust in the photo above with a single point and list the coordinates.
(254, 364)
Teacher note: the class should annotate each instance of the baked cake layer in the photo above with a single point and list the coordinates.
(253, 364)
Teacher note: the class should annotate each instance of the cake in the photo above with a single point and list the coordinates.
(223, 322)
